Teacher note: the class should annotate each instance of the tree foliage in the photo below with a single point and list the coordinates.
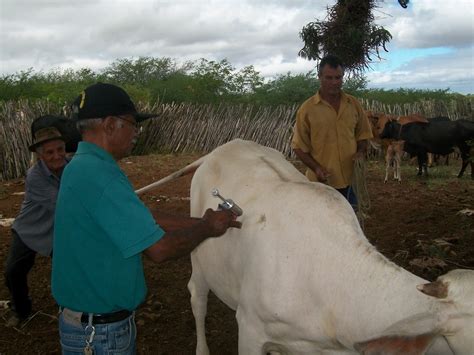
(348, 32)
(204, 81)
(142, 71)
(287, 89)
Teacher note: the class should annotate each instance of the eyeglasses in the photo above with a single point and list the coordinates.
(138, 127)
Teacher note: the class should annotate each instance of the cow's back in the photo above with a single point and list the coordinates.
(273, 195)
(248, 174)
(466, 129)
(438, 134)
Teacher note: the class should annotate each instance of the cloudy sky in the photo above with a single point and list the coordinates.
(432, 45)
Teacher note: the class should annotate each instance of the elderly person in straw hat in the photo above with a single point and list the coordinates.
(32, 230)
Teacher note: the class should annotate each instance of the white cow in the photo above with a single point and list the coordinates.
(300, 274)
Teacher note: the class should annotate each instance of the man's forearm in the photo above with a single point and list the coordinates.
(307, 159)
(183, 234)
(170, 223)
(179, 242)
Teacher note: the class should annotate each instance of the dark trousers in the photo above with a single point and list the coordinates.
(19, 262)
(349, 194)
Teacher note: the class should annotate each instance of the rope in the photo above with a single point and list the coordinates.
(359, 184)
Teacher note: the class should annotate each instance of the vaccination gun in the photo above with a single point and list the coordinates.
(227, 204)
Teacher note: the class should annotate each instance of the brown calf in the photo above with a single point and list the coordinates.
(393, 149)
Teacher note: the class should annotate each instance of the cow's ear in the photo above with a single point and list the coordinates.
(396, 345)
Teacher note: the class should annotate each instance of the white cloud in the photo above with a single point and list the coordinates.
(58, 33)
(432, 23)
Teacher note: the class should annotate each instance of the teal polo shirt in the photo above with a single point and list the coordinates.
(101, 228)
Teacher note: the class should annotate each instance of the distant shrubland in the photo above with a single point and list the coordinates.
(163, 80)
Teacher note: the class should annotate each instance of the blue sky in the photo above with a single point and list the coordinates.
(397, 57)
(432, 45)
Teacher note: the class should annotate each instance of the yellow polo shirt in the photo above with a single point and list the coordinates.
(331, 137)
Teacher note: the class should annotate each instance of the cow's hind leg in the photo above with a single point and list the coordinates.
(388, 162)
(397, 173)
(199, 290)
(463, 168)
(466, 159)
(398, 163)
(387, 168)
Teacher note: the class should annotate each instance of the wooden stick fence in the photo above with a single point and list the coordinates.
(15, 135)
(185, 127)
(201, 128)
(454, 109)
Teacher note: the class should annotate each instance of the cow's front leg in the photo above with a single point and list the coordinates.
(199, 290)
(420, 167)
(423, 164)
(251, 336)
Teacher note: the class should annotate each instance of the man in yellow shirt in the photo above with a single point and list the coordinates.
(331, 131)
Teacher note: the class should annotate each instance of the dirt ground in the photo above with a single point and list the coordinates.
(417, 223)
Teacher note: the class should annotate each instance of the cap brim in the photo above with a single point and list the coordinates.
(33, 147)
(139, 117)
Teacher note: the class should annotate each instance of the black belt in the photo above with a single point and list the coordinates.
(106, 317)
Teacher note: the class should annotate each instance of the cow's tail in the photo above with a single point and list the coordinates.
(188, 169)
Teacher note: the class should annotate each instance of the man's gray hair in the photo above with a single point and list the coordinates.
(90, 123)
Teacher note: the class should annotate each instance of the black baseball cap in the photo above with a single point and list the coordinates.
(101, 100)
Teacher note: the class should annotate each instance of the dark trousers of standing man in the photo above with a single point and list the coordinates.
(19, 262)
(349, 193)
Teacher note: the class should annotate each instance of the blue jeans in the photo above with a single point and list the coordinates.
(112, 338)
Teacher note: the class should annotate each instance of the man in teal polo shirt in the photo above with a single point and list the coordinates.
(102, 228)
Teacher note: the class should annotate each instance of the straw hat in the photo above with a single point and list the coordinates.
(44, 135)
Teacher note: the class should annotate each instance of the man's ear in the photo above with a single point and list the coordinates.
(109, 125)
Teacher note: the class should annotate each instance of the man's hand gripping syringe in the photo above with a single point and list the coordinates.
(227, 204)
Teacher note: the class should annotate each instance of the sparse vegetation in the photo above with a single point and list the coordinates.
(149, 79)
